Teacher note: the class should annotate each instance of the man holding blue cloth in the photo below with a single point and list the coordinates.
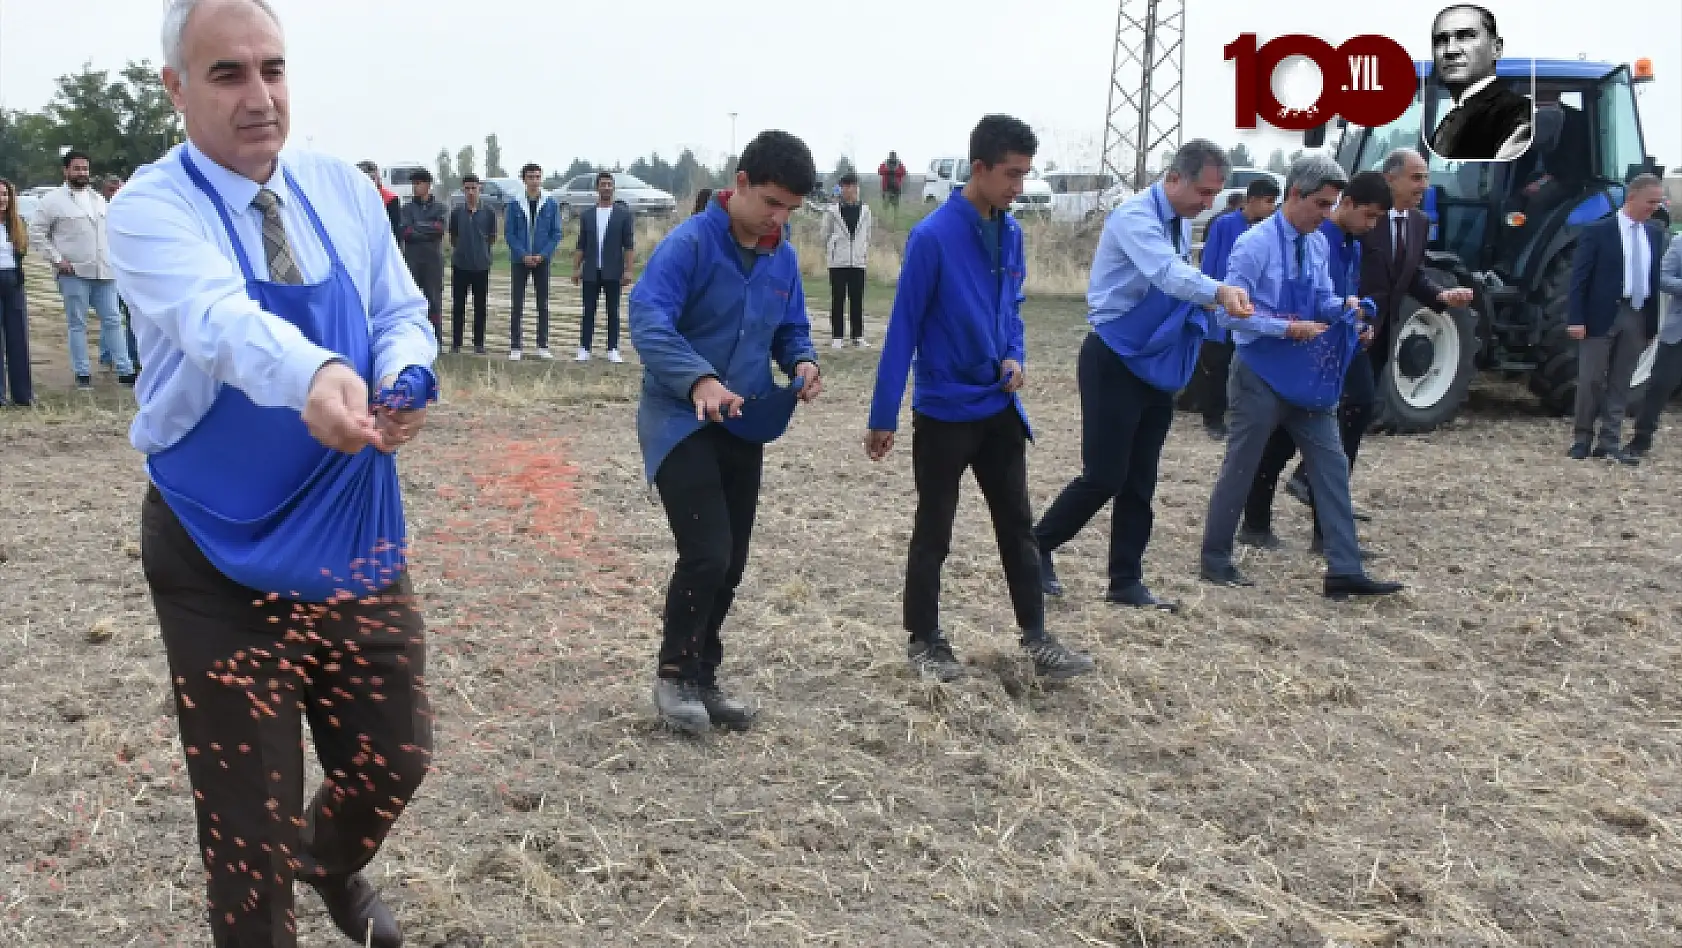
(1288, 371)
(270, 300)
(719, 301)
(957, 313)
(1149, 318)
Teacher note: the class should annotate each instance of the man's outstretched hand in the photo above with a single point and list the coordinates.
(1235, 300)
(336, 411)
(813, 386)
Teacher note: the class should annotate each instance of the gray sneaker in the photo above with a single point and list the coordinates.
(1054, 660)
(933, 657)
(679, 705)
(725, 711)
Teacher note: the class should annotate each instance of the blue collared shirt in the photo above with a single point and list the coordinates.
(195, 324)
(1136, 253)
(1257, 267)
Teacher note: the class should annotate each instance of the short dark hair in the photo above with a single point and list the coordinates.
(605, 174)
(1368, 187)
(420, 174)
(1262, 187)
(848, 179)
(776, 157)
(701, 198)
(367, 167)
(73, 154)
(529, 167)
(1488, 17)
(996, 136)
(468, 179)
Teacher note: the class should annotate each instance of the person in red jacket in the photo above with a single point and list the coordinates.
(892, 172)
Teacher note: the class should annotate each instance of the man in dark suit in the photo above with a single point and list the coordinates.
(1614, 314)
(603, 262)
(1391, 271)
(1488, 121)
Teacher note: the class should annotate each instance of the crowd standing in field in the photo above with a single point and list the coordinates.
(291, 317)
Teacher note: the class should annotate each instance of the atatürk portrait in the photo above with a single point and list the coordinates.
(1487, 120)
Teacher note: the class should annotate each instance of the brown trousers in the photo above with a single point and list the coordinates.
(246, 673)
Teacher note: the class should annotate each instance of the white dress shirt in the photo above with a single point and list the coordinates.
(1638, 256)
(197, 327)
(604, 216)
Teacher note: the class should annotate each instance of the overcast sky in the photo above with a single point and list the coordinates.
(397, 80)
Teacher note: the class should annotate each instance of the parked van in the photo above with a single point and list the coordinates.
(1080, 196)
(396, 177)
(948, 173)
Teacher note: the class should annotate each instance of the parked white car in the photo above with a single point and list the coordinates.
(948, 173)
(396, 177)
(640, 196)
(1081, 196)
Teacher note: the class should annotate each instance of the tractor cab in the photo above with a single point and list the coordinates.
(1505, 228)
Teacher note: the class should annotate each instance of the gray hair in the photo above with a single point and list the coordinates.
(1310, 173)
(1641, 182)
(1197, 154)
(175, 26)
(1394, 161)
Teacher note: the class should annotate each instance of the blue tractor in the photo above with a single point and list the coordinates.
(1505, 229)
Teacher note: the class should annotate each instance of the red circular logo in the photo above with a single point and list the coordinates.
(1368, 80)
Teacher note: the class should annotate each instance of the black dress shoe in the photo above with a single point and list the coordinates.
(1342, 587)
(1224, 576)
(127, 379)
(1579, 451)
(1639, 446)
(1598, 452)
(1139, 597)
(354, 905)
(1261, 539)
(1362, 515)
(1048, 577)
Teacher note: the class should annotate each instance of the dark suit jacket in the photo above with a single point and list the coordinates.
(1597, 276)
(1387, 280)
(621, 236)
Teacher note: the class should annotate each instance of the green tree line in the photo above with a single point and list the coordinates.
(121, 121)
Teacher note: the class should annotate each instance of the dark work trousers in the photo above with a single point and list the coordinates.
(1214, 363)
(1661, 385)
(426, 264)
(1355, 410)
(846, 285)
(539, 277)
(1124, 422)
(709, 486)
(996, 450)
(608, 289)
(246, 673)
(461, 282)
(14, 340)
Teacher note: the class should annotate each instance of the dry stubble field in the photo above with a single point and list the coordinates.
(1488, 760)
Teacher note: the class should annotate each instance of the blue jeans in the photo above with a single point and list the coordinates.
(1253, 412)
(78, 295)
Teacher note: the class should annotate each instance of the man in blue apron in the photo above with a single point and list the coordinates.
(274, 308)
(1148, 315)
(719, 300)
(1364, 203)
(1288, 370)
(957, 310)
(1214, 364)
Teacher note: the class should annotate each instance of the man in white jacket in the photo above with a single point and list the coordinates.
(846, 240)
(69, 227)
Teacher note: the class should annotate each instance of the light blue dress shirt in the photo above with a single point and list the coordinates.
(1135, 253)
(1257, 267)
(196, 326)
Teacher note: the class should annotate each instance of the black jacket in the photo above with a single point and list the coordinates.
(621, 236)
(1477, 129)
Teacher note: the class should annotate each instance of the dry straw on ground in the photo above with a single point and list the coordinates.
(1491, 759)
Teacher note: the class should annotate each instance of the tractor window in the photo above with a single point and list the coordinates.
(1617, 131)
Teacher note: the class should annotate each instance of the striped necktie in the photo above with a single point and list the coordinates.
(276, 248)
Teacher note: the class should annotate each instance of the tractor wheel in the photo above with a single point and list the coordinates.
(1554, 380)
(1430, 370)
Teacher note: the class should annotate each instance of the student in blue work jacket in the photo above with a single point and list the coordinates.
(957, 313)
(1149, 311)
(1288, 370)
(719, 301)
(1364, 203)
(1215, 361)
